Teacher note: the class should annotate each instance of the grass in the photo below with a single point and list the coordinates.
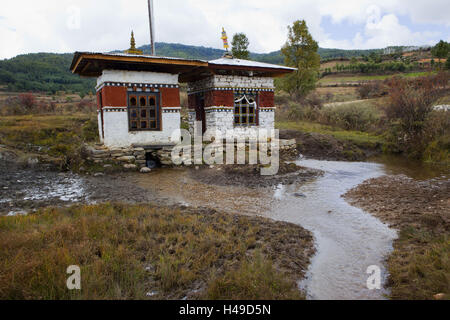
(420, 265)
(126, 251)
(57, 136)
(254, 278)
(363, 139)
(355, 78)
(337, 94)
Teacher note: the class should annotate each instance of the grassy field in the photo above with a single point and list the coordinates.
(363, 139)
(129, 251)
(337, 94)
(57, 137)
(358, 78)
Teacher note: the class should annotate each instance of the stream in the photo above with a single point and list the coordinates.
(348, 240)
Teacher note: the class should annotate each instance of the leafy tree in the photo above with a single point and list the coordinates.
(240, 46)
(447, 64)
(300, 51)
(441, 50)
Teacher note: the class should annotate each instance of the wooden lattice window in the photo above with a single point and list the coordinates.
(144, 112)
(245, 109)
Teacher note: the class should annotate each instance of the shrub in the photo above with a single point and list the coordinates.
(409, 106)
(374, 89)
(360, 117)
(86, 105)
(27, 100)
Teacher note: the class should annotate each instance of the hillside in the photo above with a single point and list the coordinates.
(203, 53)
(49, 72)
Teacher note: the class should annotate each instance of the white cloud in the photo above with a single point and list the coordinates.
(46, 25)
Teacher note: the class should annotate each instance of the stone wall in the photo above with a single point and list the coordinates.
(229, 81)
(129, 158)
(219, 118)
(134, 158)
(267, 118)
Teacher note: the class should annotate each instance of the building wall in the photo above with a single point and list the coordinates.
(218, 91)
(99, 119)
(267, 118)
(118, 135)
(112, 91)
(136, 77)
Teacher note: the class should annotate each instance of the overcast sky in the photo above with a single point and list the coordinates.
(104, 25)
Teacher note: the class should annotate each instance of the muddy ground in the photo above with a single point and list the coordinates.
(250, 175)
(25, 188)
(400, 200)
(325, 147)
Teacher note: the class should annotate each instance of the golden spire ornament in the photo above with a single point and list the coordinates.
(225, 39)
(225, 45)
(133, 49)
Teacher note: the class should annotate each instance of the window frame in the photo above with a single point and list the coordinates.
(240, 96)
(139, 119)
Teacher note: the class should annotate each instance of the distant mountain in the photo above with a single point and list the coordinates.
(49, 72)
(203, 53)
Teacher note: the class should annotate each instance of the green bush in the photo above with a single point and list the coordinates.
(360, 117)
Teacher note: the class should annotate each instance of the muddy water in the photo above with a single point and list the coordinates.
(179, 185)
(348, 240)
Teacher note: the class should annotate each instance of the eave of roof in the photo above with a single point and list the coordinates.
(92, 64)
(227, 62)
(81, 61)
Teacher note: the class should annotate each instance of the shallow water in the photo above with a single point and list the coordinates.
(348, 240)
(22, 190)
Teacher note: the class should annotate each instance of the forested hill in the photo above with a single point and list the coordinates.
(49, 72)
(203, 53)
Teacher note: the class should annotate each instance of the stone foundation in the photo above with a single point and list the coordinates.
(136, 157)
(129, 158)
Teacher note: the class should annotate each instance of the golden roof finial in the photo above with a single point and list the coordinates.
(133, 49)
(132, 41)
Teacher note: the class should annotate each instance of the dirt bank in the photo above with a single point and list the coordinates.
(325, 147)
(419, 266)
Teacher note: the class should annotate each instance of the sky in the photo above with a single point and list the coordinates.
(28, 26)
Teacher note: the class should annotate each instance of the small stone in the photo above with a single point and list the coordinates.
(439, 296)
(107, 166)
(99, 174)
(127, 159)
(146, 170)
(32, 161)
(130, 166)
(299, 195)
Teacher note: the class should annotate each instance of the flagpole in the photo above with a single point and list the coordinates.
(152, 28)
